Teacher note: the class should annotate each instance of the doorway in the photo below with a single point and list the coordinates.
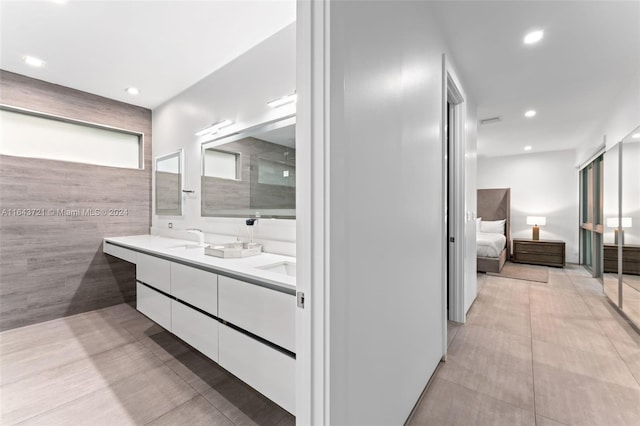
(450, 201)
(453, 150)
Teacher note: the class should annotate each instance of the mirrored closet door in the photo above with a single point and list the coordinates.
(621, 249)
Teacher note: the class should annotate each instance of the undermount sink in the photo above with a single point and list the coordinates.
(285, 268)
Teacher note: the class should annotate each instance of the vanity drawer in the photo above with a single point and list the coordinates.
(195, 328)
(267, 313)
(154, 271)
(266, 369)
(119, 252)
(195, 286)
(154, 305)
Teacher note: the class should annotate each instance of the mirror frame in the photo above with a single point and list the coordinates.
(167, 212)
(266, 126)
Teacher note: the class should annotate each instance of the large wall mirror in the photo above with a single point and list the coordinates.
(251, 173)
(621, 276)
(169, 172)
(611, 171)
(629, 228)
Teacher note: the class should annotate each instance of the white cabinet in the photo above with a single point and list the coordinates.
(154, 271)
(170, 295)
(119, 252)
(154, 304)
(267, 313)
(266, 369)
(195, 328)
(195, 286)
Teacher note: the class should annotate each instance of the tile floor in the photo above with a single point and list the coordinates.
(115, 367)
(530, 354)
(537, 354)
(630, 293)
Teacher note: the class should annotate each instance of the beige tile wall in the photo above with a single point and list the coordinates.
(53, 266)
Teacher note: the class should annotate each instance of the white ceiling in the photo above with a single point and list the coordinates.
(160, 47)
(590, 52)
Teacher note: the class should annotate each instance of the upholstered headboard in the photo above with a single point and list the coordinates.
(495, 204)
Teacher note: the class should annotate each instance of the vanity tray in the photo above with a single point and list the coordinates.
(231, 250)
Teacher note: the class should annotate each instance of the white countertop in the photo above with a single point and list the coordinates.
(246, 267)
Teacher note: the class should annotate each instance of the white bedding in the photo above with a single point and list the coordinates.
(490, 245)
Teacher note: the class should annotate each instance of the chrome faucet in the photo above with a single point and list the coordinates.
(200, 235)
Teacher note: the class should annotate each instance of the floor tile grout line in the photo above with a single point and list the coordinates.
(136, 338)
(198, 393)
(71, 362)
(532, 339)
(107, 384)
(165, 363)
(477, 390)
(607, 335)
(494, 330)
(101, 388)
(533, 372)
(487, 395)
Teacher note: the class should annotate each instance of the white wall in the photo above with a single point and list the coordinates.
(618, 119)
(385, 233)
(542, 184)
(239, 92)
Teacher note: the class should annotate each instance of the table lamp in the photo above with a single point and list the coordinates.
(612, 222)
(536, 221)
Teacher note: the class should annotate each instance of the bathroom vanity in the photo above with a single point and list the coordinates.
(238, 312)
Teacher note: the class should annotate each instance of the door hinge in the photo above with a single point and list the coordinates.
(452, 240)
(300, 296)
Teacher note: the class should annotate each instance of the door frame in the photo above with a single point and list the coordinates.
(312, 212)
(451, 94)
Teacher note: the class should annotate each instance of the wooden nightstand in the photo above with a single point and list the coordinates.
(539, 252)
(630, 258)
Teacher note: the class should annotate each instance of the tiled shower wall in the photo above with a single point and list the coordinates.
(53, 266)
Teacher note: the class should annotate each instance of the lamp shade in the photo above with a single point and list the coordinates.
(612, 222)
(536, 220)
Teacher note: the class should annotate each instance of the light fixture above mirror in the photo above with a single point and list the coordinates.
(285, 100)
(214, 128)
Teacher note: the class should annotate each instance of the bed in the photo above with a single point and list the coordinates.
(494, 206)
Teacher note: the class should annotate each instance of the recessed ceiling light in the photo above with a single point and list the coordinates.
(636, 136)
(530, 113)
(132, 90)
(33, 61)
(533, 37)
(527, 148)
